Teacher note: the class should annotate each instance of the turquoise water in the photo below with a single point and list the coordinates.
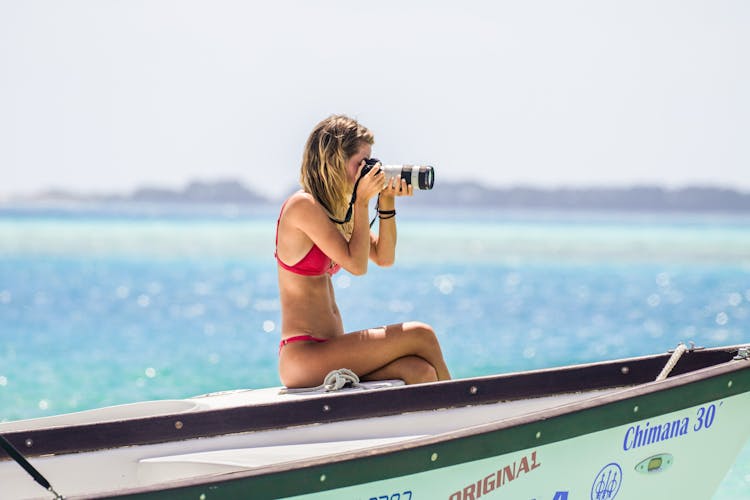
(101, 308)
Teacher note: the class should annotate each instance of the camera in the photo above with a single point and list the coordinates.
(419, 176)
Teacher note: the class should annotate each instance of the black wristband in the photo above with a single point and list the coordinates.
(386, 214)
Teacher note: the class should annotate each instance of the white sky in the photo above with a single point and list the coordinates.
(107, 96)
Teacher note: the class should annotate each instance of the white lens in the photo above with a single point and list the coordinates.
(411, 173)
(392, 172)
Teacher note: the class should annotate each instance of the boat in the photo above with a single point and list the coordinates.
(666, 425)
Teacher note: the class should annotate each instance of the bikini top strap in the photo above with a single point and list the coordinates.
(279, 221)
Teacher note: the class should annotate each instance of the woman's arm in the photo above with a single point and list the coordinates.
(307, 216)
(383, 245)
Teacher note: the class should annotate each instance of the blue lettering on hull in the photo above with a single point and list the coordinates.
(650, 433)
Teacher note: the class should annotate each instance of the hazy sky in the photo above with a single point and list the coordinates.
(109, 95)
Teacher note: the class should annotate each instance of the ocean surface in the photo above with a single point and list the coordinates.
(103, 306)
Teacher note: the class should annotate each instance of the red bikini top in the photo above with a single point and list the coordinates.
(314, 263)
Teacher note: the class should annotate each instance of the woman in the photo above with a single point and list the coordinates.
(314, 239)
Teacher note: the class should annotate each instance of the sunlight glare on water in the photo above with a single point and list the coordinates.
(108, 310)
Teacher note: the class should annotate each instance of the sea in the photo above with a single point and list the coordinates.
(105, 305)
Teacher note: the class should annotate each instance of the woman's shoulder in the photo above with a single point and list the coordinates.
(297, 201)
(299, 197)
(300, 204)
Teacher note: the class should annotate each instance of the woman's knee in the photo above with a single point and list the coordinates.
(424, 331)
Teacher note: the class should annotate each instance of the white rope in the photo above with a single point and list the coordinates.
(338, 379)
(676, 355)
(334, 381)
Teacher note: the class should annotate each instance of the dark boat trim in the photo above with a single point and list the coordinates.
(506, 436)
(359, 404)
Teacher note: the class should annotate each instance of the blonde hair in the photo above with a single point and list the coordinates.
(331, 144)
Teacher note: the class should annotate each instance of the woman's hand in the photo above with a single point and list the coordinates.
(370, 184)
(397, 187)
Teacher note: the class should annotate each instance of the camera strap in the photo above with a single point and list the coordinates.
(348, 215)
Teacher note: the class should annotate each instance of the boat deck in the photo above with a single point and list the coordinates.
(268, 437)
(175, 460)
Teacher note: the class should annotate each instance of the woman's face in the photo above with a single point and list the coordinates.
(352, 166)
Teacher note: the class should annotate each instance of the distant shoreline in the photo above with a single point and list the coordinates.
(447, 194)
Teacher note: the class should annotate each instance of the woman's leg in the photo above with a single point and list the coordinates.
(304, 364)
(410, 369)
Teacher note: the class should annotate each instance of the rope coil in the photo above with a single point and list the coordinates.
(334, 381)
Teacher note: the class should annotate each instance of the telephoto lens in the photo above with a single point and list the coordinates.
(419, 176)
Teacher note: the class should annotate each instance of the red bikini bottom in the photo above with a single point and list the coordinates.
(299, 338)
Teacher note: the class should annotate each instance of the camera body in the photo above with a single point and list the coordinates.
(419, 176)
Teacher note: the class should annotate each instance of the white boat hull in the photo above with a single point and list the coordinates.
(598, 466)
(600, 431)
